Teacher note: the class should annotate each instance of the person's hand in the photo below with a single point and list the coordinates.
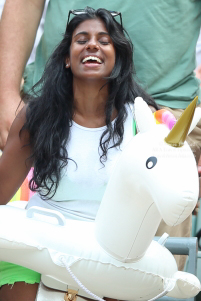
(152, 109)
(198, 72)
(8, 111)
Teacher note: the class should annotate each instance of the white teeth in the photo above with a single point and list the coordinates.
(94, 58)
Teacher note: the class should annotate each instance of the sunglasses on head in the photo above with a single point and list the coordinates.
(82, 11)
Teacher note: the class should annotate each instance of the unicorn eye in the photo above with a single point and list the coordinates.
(151, 162)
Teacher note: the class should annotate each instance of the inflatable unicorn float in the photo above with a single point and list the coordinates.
(155, 178)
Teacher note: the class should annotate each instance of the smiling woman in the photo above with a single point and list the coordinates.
(92, 52)
(73, 129)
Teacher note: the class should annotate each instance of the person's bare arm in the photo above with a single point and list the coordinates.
(14, 162)
(18, 27)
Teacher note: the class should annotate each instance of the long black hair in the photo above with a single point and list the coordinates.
(50, 110)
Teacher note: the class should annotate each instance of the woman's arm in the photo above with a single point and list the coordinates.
(14, 165)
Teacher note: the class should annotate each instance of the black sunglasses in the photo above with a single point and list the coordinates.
(82, 11)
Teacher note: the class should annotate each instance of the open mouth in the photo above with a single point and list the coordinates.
(92, 60)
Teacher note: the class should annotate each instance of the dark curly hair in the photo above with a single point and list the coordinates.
(50, 109)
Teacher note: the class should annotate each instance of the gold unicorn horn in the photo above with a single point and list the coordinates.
(179, 132)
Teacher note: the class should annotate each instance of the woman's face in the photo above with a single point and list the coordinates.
(92, 53)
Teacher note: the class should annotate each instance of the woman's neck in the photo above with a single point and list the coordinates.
(90, 101)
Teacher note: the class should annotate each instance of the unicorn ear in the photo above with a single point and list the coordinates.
(196, 118)
(143, 116)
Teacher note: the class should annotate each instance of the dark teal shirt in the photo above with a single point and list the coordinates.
(164, 34)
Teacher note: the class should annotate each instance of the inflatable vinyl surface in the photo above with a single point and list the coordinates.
(41, 244)
(154, 178)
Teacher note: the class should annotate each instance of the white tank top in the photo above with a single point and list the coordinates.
(81, 187)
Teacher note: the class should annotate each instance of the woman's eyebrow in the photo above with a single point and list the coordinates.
(103, 33)
(81, 32)
(86, 33)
